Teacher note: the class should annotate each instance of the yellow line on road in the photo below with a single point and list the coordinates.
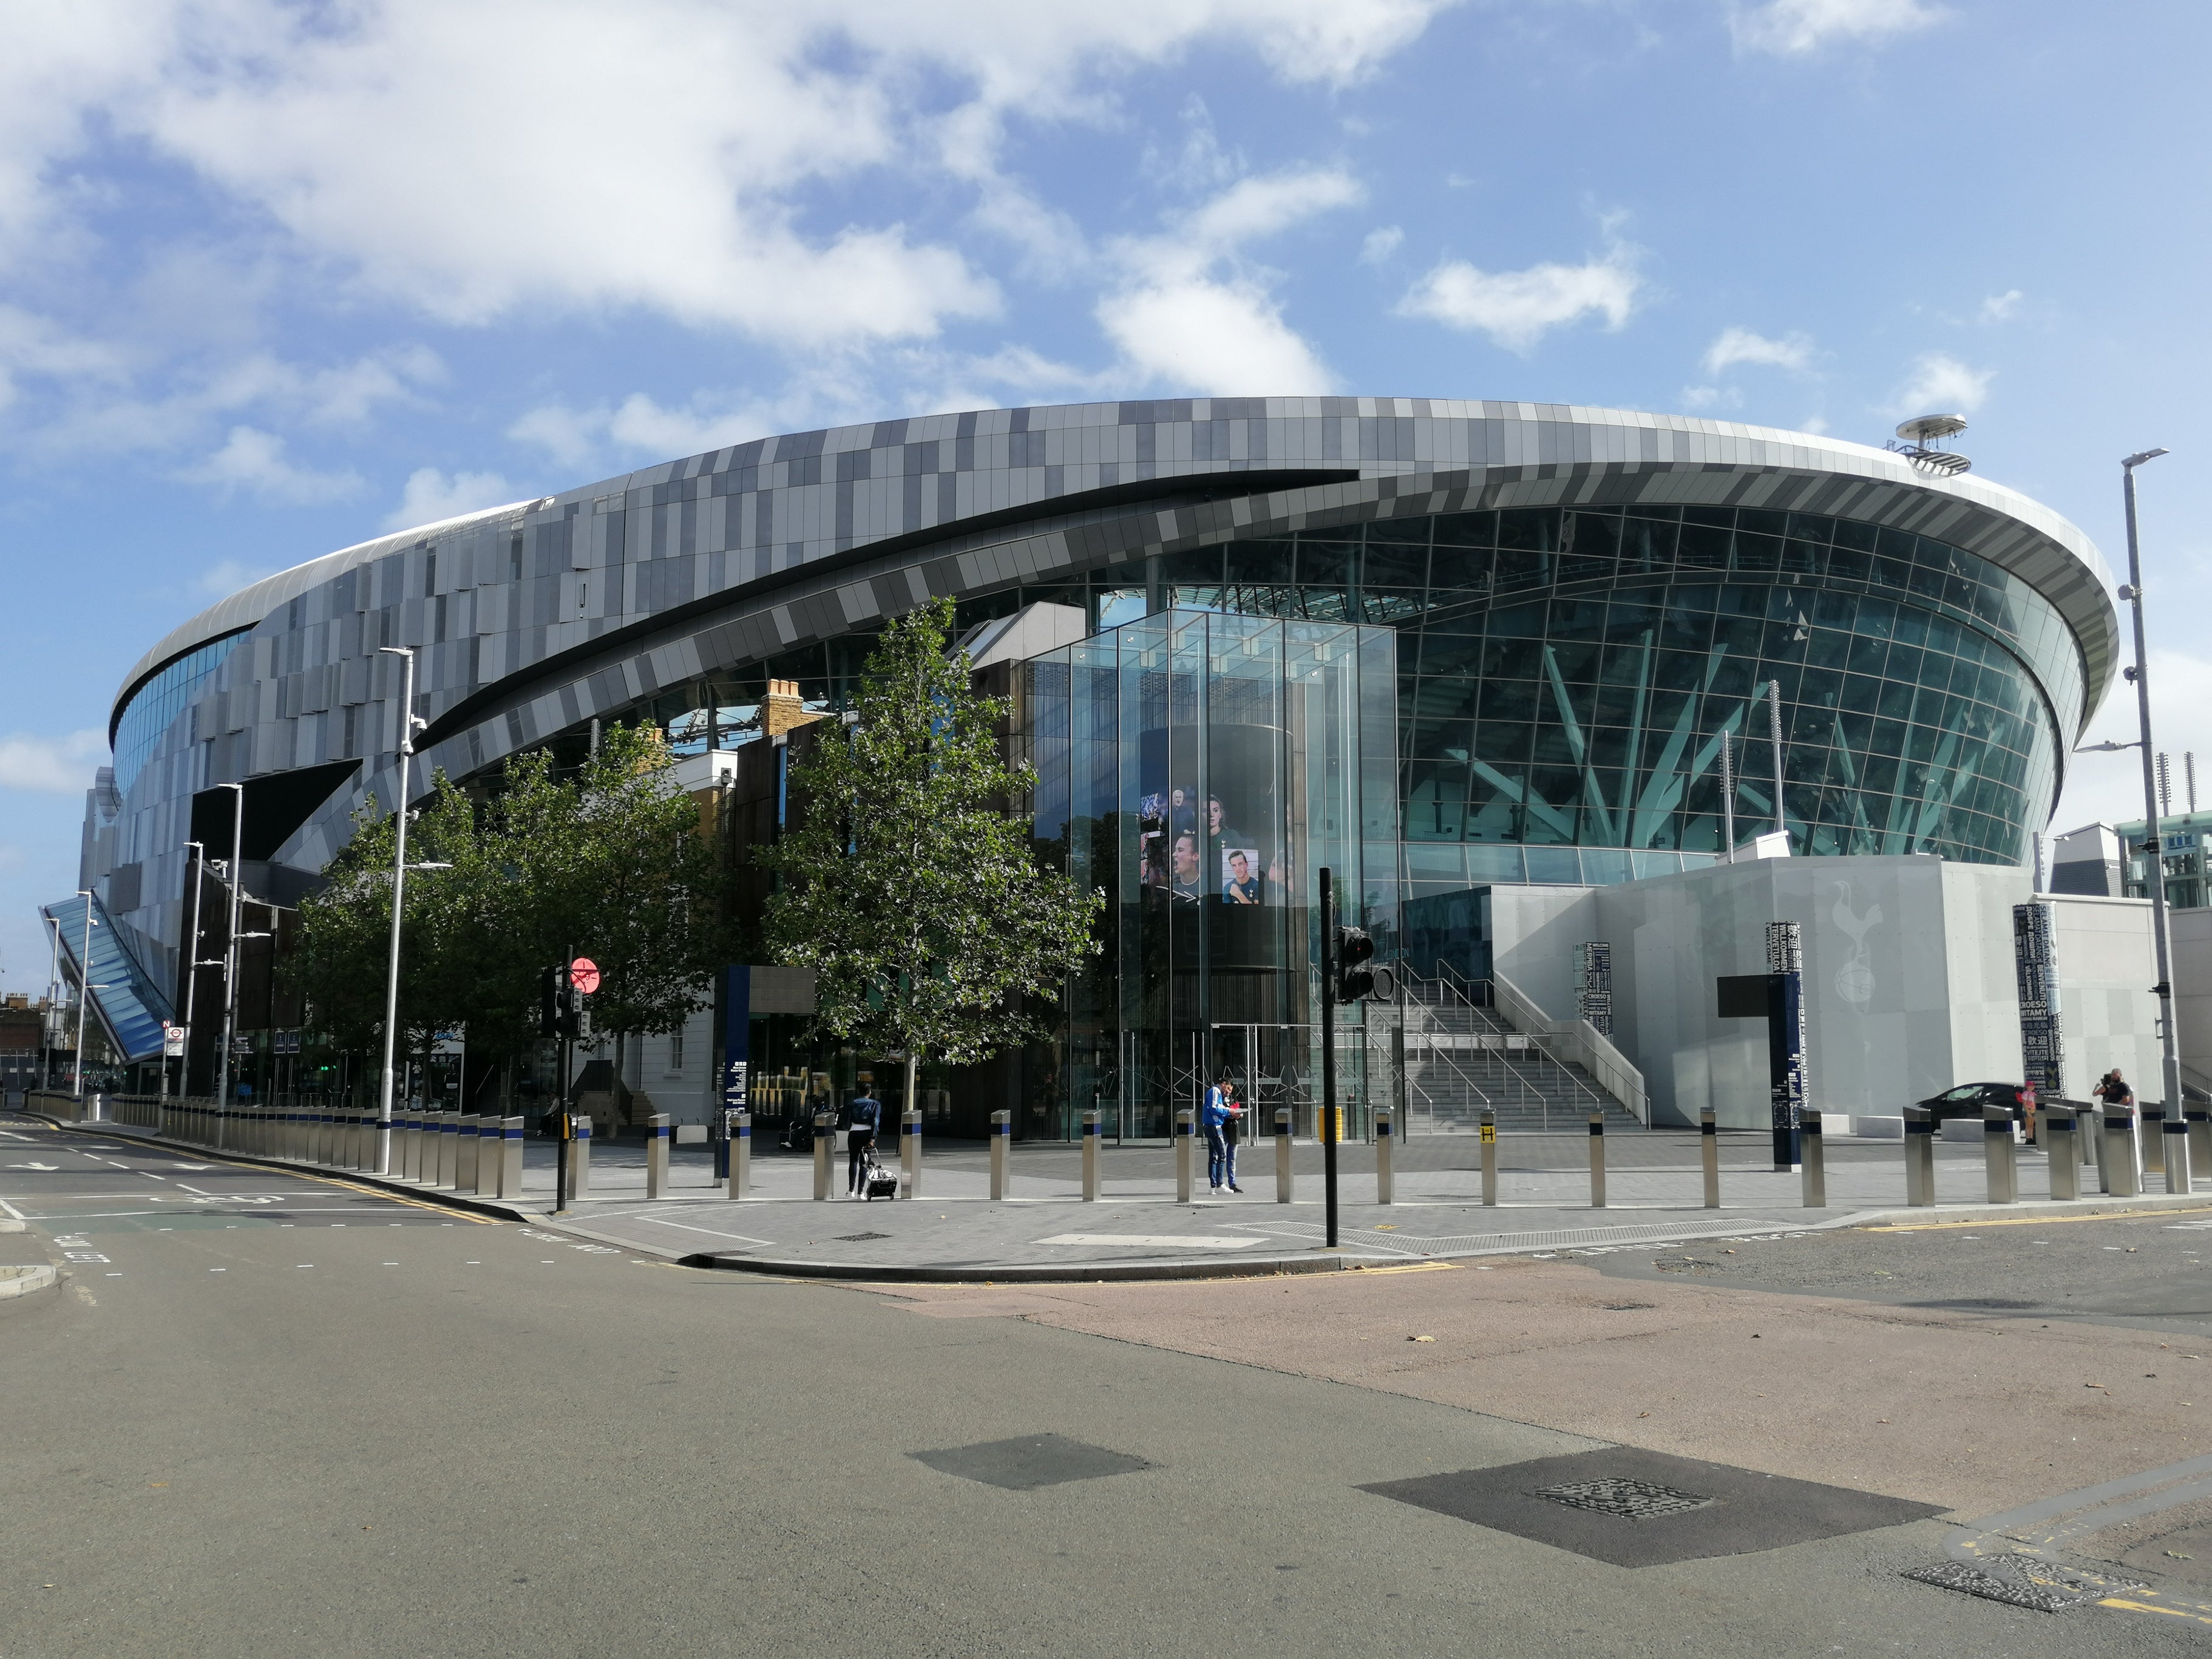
(2199, 1614)
(2023, 1220)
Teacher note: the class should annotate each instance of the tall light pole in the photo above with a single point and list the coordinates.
(83, 988)
(196, 866)
(408, 727)
(230, 958)
(2153, 844)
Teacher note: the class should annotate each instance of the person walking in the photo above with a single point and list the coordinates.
(862, 1115)
(1219, 1120)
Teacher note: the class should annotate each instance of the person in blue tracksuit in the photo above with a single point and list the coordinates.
(1219, 1121)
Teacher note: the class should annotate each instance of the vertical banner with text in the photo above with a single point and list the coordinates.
(1786, 1060)
(2035, 960)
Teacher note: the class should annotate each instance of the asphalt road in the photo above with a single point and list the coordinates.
(2152, 1271)
(271, 1414)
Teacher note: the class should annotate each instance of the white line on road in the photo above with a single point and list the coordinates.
(745, 1238)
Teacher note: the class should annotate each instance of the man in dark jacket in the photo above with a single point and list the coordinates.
(862, 1115)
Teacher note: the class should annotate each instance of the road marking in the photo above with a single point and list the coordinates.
(218, 1270)
(682, 1227)
(45, 1168)
(1155, 1241)
(2016, 1221)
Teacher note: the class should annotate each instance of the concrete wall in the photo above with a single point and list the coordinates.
(2107, 1015)
(1909, 977)
(2191, 933)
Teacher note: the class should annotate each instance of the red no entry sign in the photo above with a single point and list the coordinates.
(584, 974)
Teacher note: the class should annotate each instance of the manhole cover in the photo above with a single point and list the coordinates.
(2022, 1581)
(1034, 1461)
(860, 1238)
(1631, 1500)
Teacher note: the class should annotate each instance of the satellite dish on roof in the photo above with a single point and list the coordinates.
(1918, 440)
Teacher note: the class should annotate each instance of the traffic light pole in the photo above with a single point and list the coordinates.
(1329, 1052)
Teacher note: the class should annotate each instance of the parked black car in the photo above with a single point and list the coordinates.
(1968, 1099)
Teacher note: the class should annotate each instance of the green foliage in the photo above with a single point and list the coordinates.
(609, 864)
(909, 883)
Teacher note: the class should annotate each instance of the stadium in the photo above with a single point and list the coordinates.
(1536, 634)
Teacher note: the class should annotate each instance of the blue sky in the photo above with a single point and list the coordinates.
(276, 278)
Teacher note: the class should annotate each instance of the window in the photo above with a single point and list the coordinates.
(675, 1053)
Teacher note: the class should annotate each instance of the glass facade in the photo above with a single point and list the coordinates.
(2185, 844)
(156, 703)
(1200, 770)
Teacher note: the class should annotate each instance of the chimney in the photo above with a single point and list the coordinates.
(781, 711)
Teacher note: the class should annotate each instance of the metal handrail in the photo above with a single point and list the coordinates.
(1450, 983)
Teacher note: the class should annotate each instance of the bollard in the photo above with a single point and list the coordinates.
(357, 1140)
(1284, 1180)
(741, 1153)
(1814, 1172)
(2151, 1138)
(721, 1139)
(410, 1146)
(379, 1145)
(449, 1147)
(1997, 1155)
(491, 1147)
(1091, 1127)
(822, 1123)
(2057, 1131)
(580, 1167)
(1708, 1148)
(465, 1153)
(1183, 1156)
(2122, 1172)
(656, 1154)
(910, 1150)
(1489, 1140)
(426, 1132)
(2199, 1121)
(2178, 1166)
(1002, 1141)
(1919, 1157)
(1385, 1140)
(1597, 1160)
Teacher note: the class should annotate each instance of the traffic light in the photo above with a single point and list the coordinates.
(556, 1005)
(1354, 980)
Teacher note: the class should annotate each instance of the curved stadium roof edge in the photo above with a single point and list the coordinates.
(2084, 601)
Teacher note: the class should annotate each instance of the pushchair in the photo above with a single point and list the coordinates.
(876, 1181)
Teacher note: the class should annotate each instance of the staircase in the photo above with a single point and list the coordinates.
(1462, 1059)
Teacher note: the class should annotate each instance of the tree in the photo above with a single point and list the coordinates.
(610, 862)
(908, 883)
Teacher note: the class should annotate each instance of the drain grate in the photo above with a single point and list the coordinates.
(859, 1238)
(2022, 1581)
(1631, 1500)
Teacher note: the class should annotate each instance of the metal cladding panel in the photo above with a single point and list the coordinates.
(721, 580)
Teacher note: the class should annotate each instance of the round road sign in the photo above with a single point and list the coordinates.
(584, 974)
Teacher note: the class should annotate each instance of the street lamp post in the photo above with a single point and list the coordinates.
(230, 959)
(2153, 844)
(408, 725)
(84, 990)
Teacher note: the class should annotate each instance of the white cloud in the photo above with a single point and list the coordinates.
(1940, 385)
(667, 155)
(1380, 245)
(55, 766)
(1516, 308)
(1710, 397)
(254, 461)
(2001, 307)
(1815, 424)
(1795, 27)
(1191, 312)
(430, 496)
(1741, 346)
